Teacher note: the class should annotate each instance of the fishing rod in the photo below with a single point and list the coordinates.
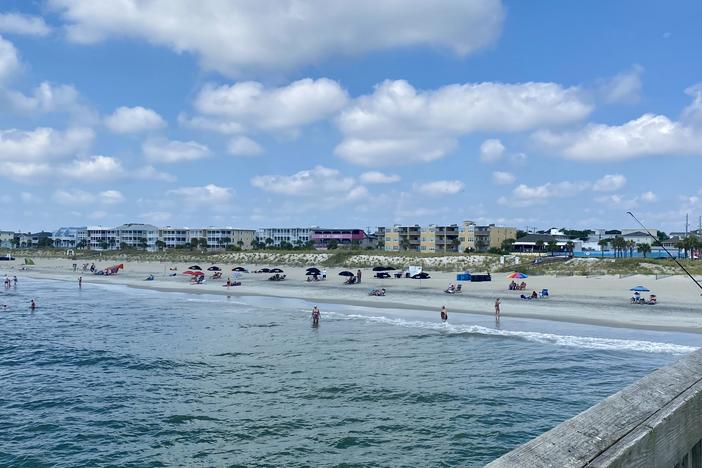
(666, 250)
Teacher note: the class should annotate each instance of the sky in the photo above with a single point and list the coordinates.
(350, 114)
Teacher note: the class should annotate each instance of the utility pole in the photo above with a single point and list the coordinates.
(687, 223)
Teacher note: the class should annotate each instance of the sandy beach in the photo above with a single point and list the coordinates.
(600, 300)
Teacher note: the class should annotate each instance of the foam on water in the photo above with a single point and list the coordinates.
(613, 344)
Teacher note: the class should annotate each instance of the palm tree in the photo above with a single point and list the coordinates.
(240, 243)
(539, 245)
(225, 241)
(404, 244)
(552, 246)
(603, 243)
(269, 242)
(203, 244)
(570, 246)
(630, 244)
(506, 244)
(643, 248)
(194, 243)
(160, 245)
(454, 244)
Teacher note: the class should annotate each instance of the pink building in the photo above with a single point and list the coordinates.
(322, 237)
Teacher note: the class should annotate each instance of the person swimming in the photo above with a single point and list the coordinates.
(315, 315)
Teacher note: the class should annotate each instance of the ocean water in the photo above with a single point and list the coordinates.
(109, 375)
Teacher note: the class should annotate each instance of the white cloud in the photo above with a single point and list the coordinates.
(313, 182)
(73, 197)
(15, 23)
(174, 151)
(134, 120)
(111, 197)
(624, 87)
(42, 143)
(649, 197)
(648, 135)
(439, 187)
(503, 178)
(398, 124)
(491, 150)
(97, 214)
(93, 168)
(618, 201)
(24, 172)
(524, 195)
(375, 177)
(609, 183)
(45, 98)
(9, 60)
(244, 146)
(250, 105)
(235, 37)
(151, 173)
(210, 194)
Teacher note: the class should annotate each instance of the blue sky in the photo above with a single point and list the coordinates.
(309, 112)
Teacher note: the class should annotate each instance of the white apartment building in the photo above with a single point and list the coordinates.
(296, 236)
(102, 238)
(138, 236)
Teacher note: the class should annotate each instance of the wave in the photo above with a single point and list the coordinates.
(611, 344)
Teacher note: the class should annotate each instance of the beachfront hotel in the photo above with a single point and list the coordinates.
(467, 237)
(149, 237)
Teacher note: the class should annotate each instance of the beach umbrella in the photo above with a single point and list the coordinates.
(265, 270)
(194, 267)
(421, 276)
(313, 270)
(346, 273)
(517, 275)
(312, 273)
(240, 269)
(214, 268)
(198, 273)
(383, 268)
(640, 289)
(191, 273)
(276, 270)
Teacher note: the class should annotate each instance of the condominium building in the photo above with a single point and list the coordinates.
(481, 238)
(220, 238)
(439, 239)
(402, 237)
(297, 236)
(102, 238)
(137, 236)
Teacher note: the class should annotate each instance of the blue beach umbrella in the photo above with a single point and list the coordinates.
(640, 289)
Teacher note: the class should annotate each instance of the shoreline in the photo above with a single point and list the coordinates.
(335, 297)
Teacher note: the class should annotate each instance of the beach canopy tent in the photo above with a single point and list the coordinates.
(214, 268)
(383, 268)
(346, 273)
(517, 275)
(194, 267)
(240, 269)
(640, 289)
(276, 270)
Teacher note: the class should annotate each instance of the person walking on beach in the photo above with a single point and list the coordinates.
(315, 315)
(497, 308)
(444, 314)
(358, 276)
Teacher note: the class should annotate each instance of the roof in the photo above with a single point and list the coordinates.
(637, 234)
(533, 238)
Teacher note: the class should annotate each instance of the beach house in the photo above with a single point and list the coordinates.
(297, 236)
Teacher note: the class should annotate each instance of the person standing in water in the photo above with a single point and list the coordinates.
(80, 282)
(497, 308)
(315, 315)
(444, 314)
(33, 305)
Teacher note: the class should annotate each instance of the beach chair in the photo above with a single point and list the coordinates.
(544, 292)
